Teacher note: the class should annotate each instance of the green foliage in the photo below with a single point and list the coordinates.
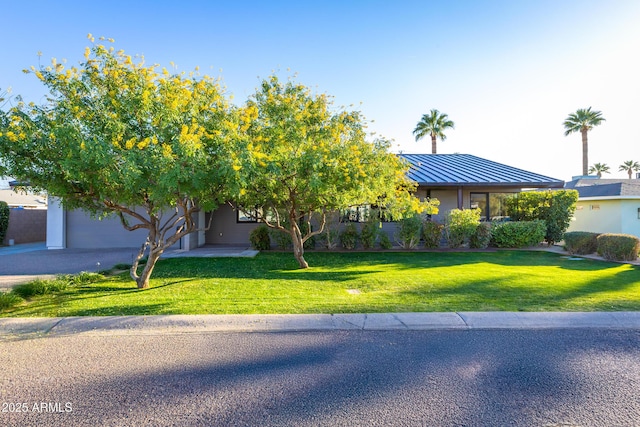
(555, 208)
(115, 134)
(260, 239)
(349, 236)
(481, 237)
(408, 232)
(302, 157)
(432, 234)
(330, 236)
(369, 232)
(517, 234)
(281, 238)
(60, 283)
(460, 224)
(9, 299)
(306, 229)
(581, 242)
(4, 220)
(385, 241)
(618, 247)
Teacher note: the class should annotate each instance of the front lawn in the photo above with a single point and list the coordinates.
(356, 282)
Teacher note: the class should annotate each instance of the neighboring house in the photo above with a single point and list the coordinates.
(464, 181)
(607, 205)
(27, 217)
(456, 180)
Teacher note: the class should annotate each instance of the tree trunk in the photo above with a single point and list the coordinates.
(433, 144)
(143, 280)
(298, 244)
(585, 153)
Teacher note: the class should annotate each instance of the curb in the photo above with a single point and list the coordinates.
(179, 324)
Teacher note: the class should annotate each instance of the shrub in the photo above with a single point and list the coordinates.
(369, 233)
(460, 224)
(385, 241)
(432, 234)
(581, 242)
(9, 299)
(349, 236)
(481, 237)
(40, 287)
(517, 234)
(408, 232)
(4, 220)
(618, 247)
(330, 236)
(554, 207)
(260, 239)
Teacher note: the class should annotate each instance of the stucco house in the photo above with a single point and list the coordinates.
(606, 205)
(456, 180)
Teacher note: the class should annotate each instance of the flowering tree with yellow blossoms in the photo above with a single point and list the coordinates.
(301, 161)
(118, 137)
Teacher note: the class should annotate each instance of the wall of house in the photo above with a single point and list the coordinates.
(26, 226)
(607, 216)
(82, 231)
(226, 230)
(449, 197)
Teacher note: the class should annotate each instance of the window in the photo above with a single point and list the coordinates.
(250, 216)
(492, 205)
(361, 213)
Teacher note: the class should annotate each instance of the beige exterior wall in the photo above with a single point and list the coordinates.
(27, 226)
(607, 216)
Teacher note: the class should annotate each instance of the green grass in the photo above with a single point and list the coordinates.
(386, 282)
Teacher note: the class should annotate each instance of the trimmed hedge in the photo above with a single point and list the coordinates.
(518, 234)
(618, 247)
(432, 234)
(481, 238)
(4, 220)
(581, 242)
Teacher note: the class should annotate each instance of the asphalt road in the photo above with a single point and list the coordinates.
(556, 377)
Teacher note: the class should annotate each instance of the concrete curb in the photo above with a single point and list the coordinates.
(178, 324)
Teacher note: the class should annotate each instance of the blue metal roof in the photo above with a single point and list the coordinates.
(443, 170)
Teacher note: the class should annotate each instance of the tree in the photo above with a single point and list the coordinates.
(119, 138)
(583, 120)
(433, 124)
(629, 166)
(599, 169)
(301, 161)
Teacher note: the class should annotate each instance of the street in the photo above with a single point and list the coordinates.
(545, 377)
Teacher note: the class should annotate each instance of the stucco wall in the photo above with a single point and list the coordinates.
(27, 226)
(225, 230)
(607, 216)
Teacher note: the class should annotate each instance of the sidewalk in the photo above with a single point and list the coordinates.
(181, 324)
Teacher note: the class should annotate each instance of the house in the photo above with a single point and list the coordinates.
(465, 181)
(606, 205)
(456, 180)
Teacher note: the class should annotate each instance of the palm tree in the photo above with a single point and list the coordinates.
(599, 169)
(630, 166)
(583, 120)
(433, 124)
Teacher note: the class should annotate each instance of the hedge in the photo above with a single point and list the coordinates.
(618, 247)
(581, 242)
(517, 234)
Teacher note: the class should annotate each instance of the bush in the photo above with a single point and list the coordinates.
(260, 239)
(281, 238)
(310, 243)
(385, 241)
(369, 233)
(408, 232)
(555, 208)
(349, 236)
(330, 236)
(4, 220)
(581, 242)
(618, 247)
(432, 234)
(460, 226)
(517, 234)
(481, 237)
(9, 299)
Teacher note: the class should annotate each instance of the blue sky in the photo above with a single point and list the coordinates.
(506, 72)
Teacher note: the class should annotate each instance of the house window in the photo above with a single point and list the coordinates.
(362, 213)
(250, 216)
(492, 205)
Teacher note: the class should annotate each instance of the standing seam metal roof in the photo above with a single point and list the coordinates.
(466, 169)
